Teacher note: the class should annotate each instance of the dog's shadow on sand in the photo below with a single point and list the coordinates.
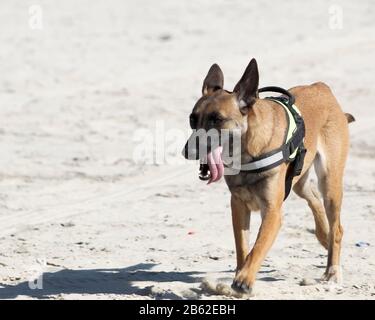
(99, 281)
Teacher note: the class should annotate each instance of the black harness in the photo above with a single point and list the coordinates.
(292, 151)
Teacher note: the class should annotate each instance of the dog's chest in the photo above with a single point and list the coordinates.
(248, 187)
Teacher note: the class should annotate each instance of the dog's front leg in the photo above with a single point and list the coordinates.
(241, 223)
(271, 222)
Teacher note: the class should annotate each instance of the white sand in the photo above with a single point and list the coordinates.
(72, 96)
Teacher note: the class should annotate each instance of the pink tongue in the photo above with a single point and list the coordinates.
(215, 164)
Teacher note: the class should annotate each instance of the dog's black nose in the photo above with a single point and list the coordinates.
(191, 150)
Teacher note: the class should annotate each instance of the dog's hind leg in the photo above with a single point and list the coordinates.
(306, 190)
(329, 166)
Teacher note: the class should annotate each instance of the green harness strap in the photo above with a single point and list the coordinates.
(292, 126)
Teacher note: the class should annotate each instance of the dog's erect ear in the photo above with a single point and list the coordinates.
(247, 88)
(213, 81)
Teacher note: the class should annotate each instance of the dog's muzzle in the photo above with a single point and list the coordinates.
(191, 152)
(208, 151)
(191, 149)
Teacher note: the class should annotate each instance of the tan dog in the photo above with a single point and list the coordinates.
(263, 124)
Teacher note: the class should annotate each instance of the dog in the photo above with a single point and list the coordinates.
(262, 124)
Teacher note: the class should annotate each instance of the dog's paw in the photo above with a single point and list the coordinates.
(242, 285)
(332, 275)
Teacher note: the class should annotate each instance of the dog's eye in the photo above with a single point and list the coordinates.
(215, 119)
(193, 121)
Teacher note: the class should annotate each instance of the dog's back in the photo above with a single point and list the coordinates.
(326, 123)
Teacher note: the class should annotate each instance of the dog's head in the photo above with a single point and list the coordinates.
(219, 111)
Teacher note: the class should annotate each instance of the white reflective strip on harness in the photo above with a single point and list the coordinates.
(262, 163)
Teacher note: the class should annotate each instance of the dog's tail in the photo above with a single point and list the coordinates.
(349, 117)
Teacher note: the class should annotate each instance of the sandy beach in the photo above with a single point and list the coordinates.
(80, 83)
